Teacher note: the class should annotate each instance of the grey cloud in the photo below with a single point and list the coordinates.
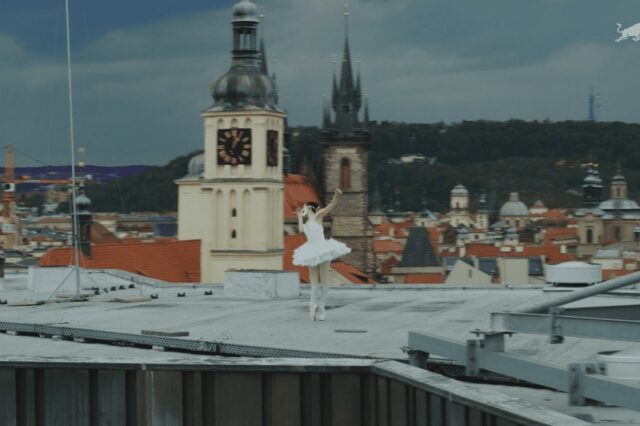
(139, 91)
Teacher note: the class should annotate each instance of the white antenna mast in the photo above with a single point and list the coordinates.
(74, 218)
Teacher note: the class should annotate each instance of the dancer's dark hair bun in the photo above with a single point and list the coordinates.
(313, 205)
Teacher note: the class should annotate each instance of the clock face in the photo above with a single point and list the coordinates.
(234, 146)
(272, 148)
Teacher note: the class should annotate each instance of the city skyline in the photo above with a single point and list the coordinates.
(142, 77)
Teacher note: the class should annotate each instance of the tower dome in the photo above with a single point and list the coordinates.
(245, 11)
(196, 165)
(82, 201)
(460, 190)
(514, 207)
(247, 84)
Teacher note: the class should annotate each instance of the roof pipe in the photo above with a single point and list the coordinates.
(583, 293)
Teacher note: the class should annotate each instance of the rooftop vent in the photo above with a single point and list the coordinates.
(574, 274)
(624, 365)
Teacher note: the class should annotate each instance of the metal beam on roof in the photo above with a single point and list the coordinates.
(582, 293)
(577, 381)
(567, 326)
(621, 312)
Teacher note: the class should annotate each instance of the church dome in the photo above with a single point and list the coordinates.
(245, 11)
(244, 87)
(619, 178)
(514, 207)
(621, 204)
(82, 201)
(460, 191)
(592, 178)
(196, 165)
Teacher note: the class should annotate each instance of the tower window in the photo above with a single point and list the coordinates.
(589, 236)
(234, 212)
(345, 173)
(617, 233)
(234, 234)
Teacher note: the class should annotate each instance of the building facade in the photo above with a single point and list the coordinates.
(232, 199)
(615, 220)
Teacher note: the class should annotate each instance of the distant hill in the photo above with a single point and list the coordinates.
(541, 160)
(99, 174)
(151, 190)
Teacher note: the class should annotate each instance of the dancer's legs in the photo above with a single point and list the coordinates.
(323, 269)
(315, 291)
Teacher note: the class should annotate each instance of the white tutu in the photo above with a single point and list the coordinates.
(317, 249)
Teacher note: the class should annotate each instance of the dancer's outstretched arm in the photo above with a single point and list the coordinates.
(300, 222)
(334, 201)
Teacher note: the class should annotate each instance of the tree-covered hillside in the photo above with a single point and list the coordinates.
(541, 160)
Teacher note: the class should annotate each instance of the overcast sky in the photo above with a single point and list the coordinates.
(143, 68)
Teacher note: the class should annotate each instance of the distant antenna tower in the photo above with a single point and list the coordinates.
(594, 105)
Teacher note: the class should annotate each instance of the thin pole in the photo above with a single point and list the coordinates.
(73, 157)
(583, 293)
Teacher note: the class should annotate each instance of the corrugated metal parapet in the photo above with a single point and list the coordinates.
(252, 392)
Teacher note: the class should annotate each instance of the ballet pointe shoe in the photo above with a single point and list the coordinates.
(313, 310)
(320, 315)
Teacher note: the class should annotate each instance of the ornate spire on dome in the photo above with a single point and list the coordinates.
(592, 187)
(247, 85)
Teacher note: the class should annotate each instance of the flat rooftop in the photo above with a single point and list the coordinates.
(362, 321)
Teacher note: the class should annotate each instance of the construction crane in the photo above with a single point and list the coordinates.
(9, 234)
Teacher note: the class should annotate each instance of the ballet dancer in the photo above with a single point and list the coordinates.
(317, 253)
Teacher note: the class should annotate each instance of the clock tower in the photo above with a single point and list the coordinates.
(232, 199)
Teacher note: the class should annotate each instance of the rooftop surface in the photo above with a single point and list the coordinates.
(370, 321)
(362, 321)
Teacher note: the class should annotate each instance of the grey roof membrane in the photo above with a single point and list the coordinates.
(370, 321)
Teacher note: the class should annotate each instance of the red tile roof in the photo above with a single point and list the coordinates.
(101, 235)
(551, 252)
(297, 191)
(351, 273)
(400, 230)
(554, 215)
(609, 274)
(172, 261)
(387, 246)
(434, 278)
(387, 264)
(553, 234)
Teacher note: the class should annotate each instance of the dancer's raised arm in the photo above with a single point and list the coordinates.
(300, 221)
(334, 201)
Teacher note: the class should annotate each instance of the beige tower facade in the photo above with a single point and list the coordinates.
(233, 197)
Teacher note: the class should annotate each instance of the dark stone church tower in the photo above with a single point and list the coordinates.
(346, 141)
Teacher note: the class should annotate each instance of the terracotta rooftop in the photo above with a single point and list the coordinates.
(553, 234)
(555, 215)
(297, 191)
(387, 246)
(424, 278)
(101, 235)
(400, 230)
(172, 261)
(551, 252)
